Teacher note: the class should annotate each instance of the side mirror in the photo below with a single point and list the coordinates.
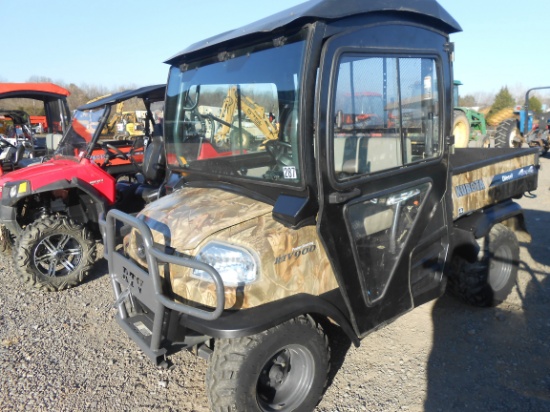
(192, 98)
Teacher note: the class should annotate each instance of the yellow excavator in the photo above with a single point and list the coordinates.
(254, 112)
(122, 124)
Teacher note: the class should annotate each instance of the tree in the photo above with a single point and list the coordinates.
(503, 100)
(535, 104)
(467, 101)
(39, 79)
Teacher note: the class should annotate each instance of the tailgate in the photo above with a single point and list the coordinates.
(483, 177)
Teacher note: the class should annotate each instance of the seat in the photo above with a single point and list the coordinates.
(20, 151)
(131, 196)
(153, 169)
(384, 153)
(349, 154)
(11, 156)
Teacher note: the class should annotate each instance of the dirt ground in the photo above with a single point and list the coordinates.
(64, 352)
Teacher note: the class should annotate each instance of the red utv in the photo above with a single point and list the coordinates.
(50, 210)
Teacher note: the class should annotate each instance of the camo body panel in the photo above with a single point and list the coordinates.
(479, 188)
(289, 261)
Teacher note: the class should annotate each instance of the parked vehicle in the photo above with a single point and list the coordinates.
(51, 210)
(469, 125)
(514, 132)
(256, 248)
(49, 99)
(15, 152)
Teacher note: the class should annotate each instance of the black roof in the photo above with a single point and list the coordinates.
(151, 93)
(331, 10)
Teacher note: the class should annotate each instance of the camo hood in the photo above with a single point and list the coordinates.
(185, 218)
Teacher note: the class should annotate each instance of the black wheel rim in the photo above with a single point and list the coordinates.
(57, 255)
(500, 268)
(285, 380)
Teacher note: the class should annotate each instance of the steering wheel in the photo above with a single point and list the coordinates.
(280, 151)
(109, 148)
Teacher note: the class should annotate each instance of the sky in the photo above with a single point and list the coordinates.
(123, 43)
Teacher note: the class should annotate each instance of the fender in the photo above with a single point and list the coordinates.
(101, 202)
(8, 207)
(480, 223)
(477, 225)
(233, 324)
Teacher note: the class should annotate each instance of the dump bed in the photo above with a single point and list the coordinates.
(483, 177)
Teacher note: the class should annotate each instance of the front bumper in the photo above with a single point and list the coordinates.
(8, 218)
(135, 288)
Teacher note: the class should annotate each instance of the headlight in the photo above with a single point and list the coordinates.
(236, 265)
(14, 190)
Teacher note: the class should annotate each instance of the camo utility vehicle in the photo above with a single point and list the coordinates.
(271, 233)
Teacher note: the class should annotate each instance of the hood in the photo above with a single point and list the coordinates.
(57, 170)
(31, 172)
(185, 218)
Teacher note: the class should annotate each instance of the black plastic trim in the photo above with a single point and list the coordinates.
(7, 218)
(245, 322)
(480, 223)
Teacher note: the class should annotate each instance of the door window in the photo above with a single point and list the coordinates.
(380, 227)
(386, 113)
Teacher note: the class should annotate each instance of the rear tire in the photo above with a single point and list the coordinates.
(506, 132)
(284, 368)
(461, 129)
(486, 142)
(490, 279)
(54, 253)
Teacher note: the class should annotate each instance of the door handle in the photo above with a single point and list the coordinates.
(401, 197)
(342, 197)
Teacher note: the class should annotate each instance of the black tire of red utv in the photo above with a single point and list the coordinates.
(492, 278)
(504, 132)
(237, 371)
(30, 239)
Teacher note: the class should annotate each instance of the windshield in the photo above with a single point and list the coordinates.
(81, 132)
(236, 115)
(126, 122)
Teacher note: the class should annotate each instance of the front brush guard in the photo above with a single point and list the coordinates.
(131, 282)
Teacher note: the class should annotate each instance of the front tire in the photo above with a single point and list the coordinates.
(54, 253)
(490, 279)
(284, 368)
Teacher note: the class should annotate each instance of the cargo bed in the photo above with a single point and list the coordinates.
(482, 177)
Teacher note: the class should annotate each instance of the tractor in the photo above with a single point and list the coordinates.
(522, 128)
(469, 126)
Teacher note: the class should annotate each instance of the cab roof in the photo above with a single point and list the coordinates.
(37, 91)
(428, 10)
(152, 93)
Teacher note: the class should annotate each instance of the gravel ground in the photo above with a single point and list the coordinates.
(63, 351)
